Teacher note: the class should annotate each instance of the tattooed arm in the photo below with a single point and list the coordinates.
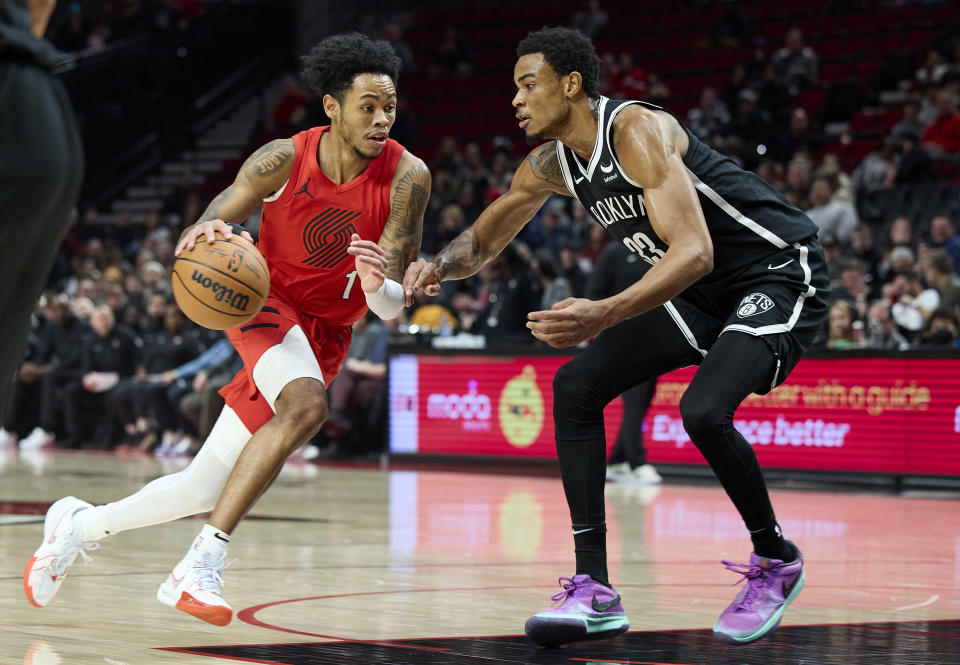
(410, 191)
(264, 172)
(537, 178)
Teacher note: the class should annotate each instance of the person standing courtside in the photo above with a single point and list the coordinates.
(41, 168)
(736, 284)
(329, 194)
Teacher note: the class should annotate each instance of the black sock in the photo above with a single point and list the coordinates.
(768, 542)
(591, 548)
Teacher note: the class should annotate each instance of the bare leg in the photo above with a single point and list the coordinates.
(301, 410)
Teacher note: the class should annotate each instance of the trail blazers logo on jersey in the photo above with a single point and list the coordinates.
(755, 303)
(327, 236)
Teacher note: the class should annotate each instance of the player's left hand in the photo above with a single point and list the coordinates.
(371, 263)
(568, 322)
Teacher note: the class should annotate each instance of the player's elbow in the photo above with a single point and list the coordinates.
(701, 260)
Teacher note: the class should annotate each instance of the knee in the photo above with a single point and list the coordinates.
(304, 407)
(564, 387)
(702, 417)
(575, 390)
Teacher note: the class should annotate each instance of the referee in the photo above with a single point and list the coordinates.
(41, 168)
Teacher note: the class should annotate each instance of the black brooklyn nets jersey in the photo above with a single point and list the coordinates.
(748, 220)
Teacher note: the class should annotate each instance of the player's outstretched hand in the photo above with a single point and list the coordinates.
(371, 262)
(206, 229)
(568, 322)
(421, 274)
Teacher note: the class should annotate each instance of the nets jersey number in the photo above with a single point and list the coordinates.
(641, 245)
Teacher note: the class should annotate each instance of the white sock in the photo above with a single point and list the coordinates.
(90, 524)
(212, 540)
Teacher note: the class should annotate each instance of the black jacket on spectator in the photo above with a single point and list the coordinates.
(119, 352)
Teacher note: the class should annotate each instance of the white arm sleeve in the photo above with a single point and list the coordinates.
(387, 301)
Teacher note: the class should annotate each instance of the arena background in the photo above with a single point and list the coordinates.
(429, 510)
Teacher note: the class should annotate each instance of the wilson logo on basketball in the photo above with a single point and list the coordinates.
(222, 293)
(327, 236)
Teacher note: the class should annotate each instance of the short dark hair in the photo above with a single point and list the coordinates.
(939, 260)
(566, 51)
(331, 65)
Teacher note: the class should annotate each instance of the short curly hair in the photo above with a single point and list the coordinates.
(331, 65)
(566, 51)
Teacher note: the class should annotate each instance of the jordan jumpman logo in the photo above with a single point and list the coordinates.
(304, 190)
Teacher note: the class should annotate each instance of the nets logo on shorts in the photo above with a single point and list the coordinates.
(755, 303)
(327, 236)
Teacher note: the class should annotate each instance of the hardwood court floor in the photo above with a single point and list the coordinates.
(353, 565)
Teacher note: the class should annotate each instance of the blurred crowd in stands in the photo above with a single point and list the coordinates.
(113, 363)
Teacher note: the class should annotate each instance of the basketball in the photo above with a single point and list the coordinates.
(221, 284)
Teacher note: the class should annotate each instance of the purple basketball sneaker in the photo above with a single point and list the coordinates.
(584, 610)
(771, 586)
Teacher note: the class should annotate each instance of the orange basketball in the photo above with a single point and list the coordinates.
(221, 284)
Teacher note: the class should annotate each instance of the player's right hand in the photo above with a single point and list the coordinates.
(206, 229)
(421, 274)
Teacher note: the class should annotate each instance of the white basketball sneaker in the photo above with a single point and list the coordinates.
(194, 587)
(48, 567)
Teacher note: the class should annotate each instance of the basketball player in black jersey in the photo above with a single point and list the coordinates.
(736, 284)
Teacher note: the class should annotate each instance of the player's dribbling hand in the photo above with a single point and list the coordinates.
(206, 229)
(421, 274)
(371, 262)
(568, 323)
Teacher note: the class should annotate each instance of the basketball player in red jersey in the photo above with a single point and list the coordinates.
(342, 218)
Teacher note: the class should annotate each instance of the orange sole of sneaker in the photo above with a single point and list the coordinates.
(26, 584)
(218, 616)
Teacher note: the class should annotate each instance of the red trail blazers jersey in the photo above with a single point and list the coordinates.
(305, 231)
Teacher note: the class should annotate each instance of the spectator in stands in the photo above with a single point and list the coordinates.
(933, 69)
(749, 127)
(830, 166)
(854, 287)
(394, 34)
(452, 55)
(710, 118)
(938, 272)
(881, 332)
(450, 225)
(915, 164)
(590, 19)
(164, 350)
(943, 134)
(771, 173)
(928, 104)
(943, 330)
(773, 96)
(737, 83)
(834, 258)
(861, 248)
(840, 317)
(912, 304)
(110, 354)
(910, 121)
(899, 234)
(555, 286)
(796, 64)
(362, 377)
(829, 214)
(514, 292)
(196, 382)
(799, 137)
(878, 169)
(943, 234)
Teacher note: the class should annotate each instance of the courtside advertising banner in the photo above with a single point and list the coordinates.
(885, 415)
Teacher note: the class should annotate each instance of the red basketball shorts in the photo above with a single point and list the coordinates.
(280, 345)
